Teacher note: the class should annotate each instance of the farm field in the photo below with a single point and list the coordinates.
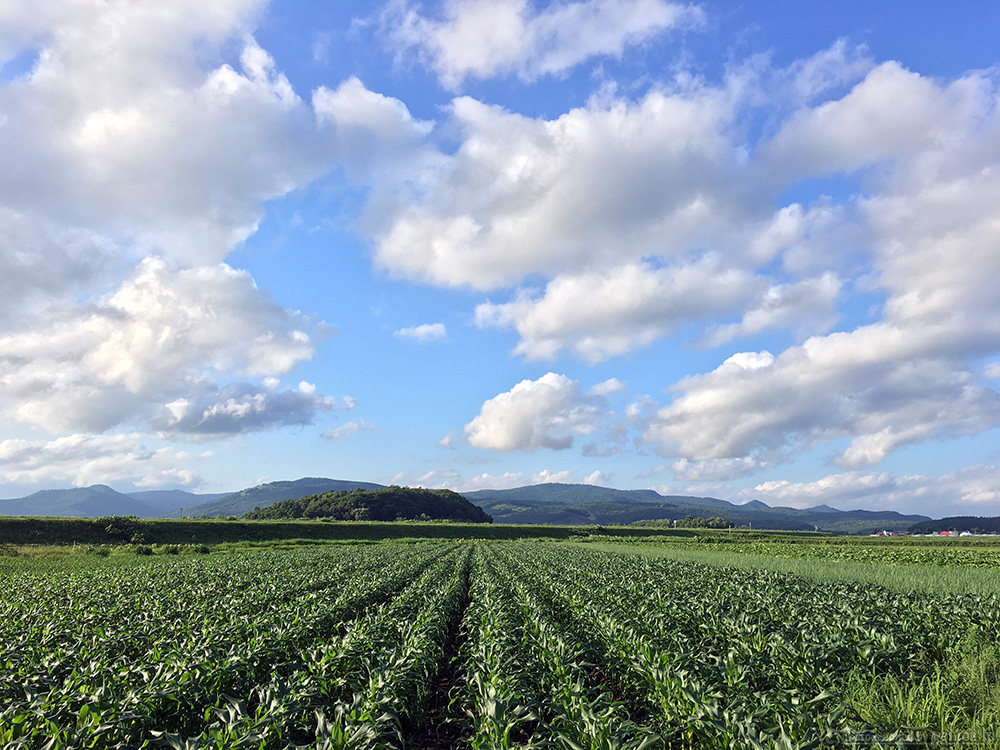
(904, 564)
(483, 645)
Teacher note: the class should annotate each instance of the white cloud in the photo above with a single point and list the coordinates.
(893, 113)
(645, 217)
(598, 478)
(933, 232)
(610, 387)
(714, 469)
(239, 408)
(829, 69)
(604, 185)
(122, 140)
(631, 209)
(130, 139)
(603, 314)
(865, 384)
(41, 260)
(424, 333)
(545, 413)
(114, 131)
(374, 135)
(84, 460)
(162, 337)
(483, 38)
(969, 491)
(806, 306)
(348, 428)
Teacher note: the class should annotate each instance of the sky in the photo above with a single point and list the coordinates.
(744, 250)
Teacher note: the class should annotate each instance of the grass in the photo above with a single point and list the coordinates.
(956, 703)
(926, 579)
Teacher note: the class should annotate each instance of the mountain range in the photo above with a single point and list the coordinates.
(562, 504)
(101, 500)
(586, 504)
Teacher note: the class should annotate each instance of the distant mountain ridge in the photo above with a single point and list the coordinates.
(564, 504)
(97, 500)
(549, 503)
(168, 500)
(244, 501)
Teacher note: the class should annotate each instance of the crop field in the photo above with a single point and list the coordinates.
(483, 645)
(881, 552)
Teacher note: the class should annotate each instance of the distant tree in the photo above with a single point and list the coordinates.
(387, 504)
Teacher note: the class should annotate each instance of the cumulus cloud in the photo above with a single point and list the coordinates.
(114, 131)
(41, 260)
(600, 186)
(121, 142)
(861, 384)
(830, 69)
(610, 387)
(546, 413)
(126, 145)
(348, 428)
(806, 306)
(971, 490)
(161, 338)
(714, 469)
(127, 181)
(601, 315)
(238, 408)
(84, 460)
(651, 215)
(424, 333)
(374, 136)
(484, 38)
(644, 216)
(894, 113)
(908, 377)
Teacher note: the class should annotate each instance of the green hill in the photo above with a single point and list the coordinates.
(238, 503)
(386, 504)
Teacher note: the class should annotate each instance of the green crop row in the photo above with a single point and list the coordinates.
(940, 555)
(151, 651)
(495, 645)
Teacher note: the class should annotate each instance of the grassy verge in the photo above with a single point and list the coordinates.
(955, 704)
(929, 579)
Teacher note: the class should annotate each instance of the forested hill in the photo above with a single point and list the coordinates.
(238, 503)
(388, 504)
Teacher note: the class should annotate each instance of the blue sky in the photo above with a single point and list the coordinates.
(741, 250)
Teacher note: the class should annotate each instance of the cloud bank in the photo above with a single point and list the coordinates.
(486, 38)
